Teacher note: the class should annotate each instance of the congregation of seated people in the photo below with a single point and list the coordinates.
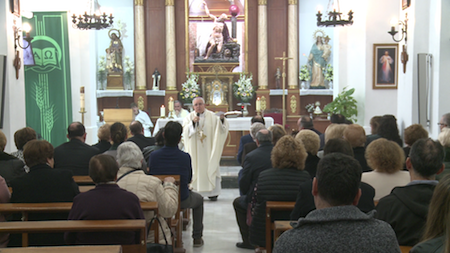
(353, 190)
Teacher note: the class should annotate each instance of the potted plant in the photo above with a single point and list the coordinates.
(243, 89)
(128, 73)
(328, 75)
(101, 73)
(304, 75)
(344, 104)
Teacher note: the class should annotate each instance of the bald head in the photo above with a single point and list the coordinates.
(76, 130)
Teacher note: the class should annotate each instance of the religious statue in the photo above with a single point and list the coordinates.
(278, 78)
(326, 49)
(114, 53)
(156, 79)
(219, 35)
(317, 62)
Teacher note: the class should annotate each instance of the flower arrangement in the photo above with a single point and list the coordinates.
(101, 74)
(304, 73)
(190, 89)
(309, 107)
(328, 73)
(128, 71)
(243, 89)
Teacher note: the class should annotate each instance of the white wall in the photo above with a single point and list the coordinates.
(14, 107)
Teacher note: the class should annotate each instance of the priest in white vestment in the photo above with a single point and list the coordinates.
(204, 136)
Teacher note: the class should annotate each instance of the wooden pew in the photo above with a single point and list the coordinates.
(80, 226)
(61, 207)
(176, 223)
(274, 206)
(66, 249)
(405, 249)
(85, 188)
(83, 180)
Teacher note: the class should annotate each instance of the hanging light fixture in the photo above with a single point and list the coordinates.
(92, 19)
(334, 17)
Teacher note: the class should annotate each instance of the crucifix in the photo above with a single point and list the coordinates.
(284, 58)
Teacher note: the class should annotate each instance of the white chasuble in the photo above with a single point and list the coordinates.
(205, 142)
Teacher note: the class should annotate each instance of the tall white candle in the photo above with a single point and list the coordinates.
(171, 105)
(82, 97)
(258, 104)
(162, 111)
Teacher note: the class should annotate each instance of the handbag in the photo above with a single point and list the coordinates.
(156, 247)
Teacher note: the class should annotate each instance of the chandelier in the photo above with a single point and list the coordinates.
(334, 17)
(93, 19)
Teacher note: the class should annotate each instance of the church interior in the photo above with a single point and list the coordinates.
(155, 50)
(163, 35)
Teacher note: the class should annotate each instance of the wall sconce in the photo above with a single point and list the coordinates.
(17, 32)
(393, 32)
(404, 25)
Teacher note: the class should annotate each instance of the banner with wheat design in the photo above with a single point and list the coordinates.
(47, 83)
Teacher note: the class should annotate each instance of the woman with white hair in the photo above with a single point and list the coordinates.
(148, 188)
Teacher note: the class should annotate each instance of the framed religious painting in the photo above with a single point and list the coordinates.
(217, 33)
(385, 66)
(15, 7)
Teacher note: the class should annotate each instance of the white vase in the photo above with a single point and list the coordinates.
(244, 110)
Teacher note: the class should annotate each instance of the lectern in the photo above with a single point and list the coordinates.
(111, 116)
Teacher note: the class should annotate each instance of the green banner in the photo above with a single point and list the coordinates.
(47, 83)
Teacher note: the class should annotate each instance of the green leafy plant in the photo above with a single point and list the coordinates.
(243, 89)
(101, 73)
(344, 104)
(309, 107)
(304, 73)
(328, 73)
(190, 89)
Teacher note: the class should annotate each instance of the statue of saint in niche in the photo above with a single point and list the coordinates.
(114, 53)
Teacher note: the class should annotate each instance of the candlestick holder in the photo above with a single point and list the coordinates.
(171, 112)
(82, 111)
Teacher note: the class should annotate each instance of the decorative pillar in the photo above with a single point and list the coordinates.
(171, 71)
(293, 44)
(139, 43)
(263, 68)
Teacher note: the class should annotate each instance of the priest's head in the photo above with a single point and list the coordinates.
(199, 104)
(135, 108)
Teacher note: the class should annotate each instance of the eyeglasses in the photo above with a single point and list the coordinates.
(441, 124)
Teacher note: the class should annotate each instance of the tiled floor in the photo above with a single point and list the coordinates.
(220, 228)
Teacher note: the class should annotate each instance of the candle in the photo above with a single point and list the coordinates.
(171, 105)
(162, 111)
(258, 104)
(82, 97)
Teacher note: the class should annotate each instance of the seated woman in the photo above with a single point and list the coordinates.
(277, 132)
(411, 135)
(280, 183)
(356, 136)
(437, 229)
(311, 141)
(21, 137)
(10, 166)
(42, 184)
(148, 188)
(386, 159)
(5, 195)
(118, 135)
(159, 143)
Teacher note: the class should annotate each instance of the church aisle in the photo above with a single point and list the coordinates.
(220, 228)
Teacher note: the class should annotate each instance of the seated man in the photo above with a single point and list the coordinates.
(247, 138)
(337, 225)
(137, 131)
(406, 208)
(107, 201)
(170, 160)
(255, 162)
(75, 154)
(179, 112)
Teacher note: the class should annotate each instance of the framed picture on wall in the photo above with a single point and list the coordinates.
(406, 4)
(15, 7)
(385, 66)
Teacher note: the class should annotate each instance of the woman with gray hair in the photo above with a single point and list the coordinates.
(132, 178)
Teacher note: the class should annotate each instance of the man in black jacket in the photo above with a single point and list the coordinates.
(137, 130)
(406, 208)
(255, 162)
(75, 154)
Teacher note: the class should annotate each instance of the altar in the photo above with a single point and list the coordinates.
(238, 127)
